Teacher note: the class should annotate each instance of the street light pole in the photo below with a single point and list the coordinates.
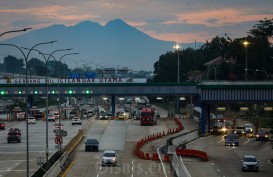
(58, 74)
(46, 81)
(178, 74)
(26, 94)
(178, 62)
(14, 31)
(246, 69)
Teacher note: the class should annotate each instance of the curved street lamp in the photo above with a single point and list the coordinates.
(26, 96)
(58, 73)
(14, 31)
(46, 82)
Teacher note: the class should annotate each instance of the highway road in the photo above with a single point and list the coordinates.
(13, 155)
(121, 136)
(225, 161)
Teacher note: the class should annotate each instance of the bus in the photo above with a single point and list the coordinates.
(197, 113)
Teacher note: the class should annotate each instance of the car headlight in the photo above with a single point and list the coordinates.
(235, 131)
(266, 136)
(114, 159)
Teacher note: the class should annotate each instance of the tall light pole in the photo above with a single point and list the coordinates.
(14, 31)
(58, 73)
(46, 82)
(176, 47)
(26, 90)
(246, 72)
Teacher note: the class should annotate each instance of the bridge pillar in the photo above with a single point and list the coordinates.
(113, 105)
(203, 119)
(30, 103)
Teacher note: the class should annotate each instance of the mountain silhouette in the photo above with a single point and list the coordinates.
(115, 45)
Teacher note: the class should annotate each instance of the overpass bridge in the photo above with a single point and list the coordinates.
(205, 93)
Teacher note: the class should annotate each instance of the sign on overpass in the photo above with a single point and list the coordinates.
(75, 81)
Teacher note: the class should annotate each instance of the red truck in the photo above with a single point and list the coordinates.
(147, 116)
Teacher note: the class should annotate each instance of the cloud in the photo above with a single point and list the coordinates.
(136, 24)
(216, 18)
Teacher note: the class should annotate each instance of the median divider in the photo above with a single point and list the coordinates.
(74, 142)
(194, 153)
(145, 155)
(57, 161)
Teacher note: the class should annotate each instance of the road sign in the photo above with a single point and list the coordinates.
(58, 140)
(40, 161)
(17, 109)
(90, 75)
(75, 75)
(58, 146)
(60, 133)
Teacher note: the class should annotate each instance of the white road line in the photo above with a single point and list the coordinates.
(10, 170)
(184, 167)
(98, 175)
(162, 164)
(23, 152)
(17, 160)
(247, 141)
(218, 170)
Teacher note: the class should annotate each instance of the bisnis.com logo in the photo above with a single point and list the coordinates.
(134, 168)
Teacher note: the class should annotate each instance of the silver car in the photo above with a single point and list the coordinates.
(250, 163)
(109, 158)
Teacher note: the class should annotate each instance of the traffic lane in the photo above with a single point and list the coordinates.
(86, 163)
(14, 154)
(89, 163)
(189, 124)
(226, 160)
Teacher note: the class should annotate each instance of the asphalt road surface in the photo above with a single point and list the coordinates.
(13, 155)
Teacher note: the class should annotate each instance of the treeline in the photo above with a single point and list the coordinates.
(233, 53)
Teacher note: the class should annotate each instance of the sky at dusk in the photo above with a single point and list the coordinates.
(183, 21)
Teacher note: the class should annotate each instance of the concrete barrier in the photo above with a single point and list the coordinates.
(185, 138)
(57, 167)
(179, 167)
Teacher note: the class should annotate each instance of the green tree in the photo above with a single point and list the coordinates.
(263, 35)
(36, 67)
(13, 65)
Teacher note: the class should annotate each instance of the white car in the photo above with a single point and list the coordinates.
(250, 163)
(109, 158)
(31, 120)
(51, 118)
(76, 120)
(58, 126)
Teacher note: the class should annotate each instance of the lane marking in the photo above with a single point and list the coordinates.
(10, 170)
(20, 160)
(23, 152)
(68, 168)
(162, 164)
(184, 167)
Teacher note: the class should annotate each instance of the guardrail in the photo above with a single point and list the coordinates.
(57, 162)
